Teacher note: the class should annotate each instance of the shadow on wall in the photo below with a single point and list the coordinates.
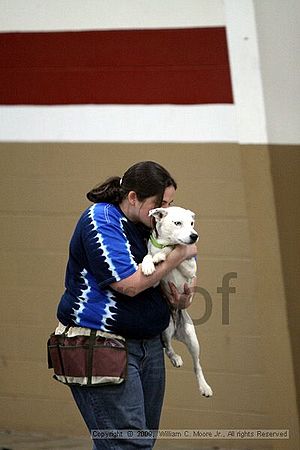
(285, 168)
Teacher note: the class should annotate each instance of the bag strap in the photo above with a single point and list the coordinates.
(66, 330)
(92, 340)
(50, 363)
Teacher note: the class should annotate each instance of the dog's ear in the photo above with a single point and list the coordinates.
(158, 213)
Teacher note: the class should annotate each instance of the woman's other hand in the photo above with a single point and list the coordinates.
(176, 299)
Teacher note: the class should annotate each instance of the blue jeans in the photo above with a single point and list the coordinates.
(134, 404)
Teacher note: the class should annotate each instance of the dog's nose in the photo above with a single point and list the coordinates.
(194, 237)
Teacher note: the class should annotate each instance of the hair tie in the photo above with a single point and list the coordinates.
(121, 179)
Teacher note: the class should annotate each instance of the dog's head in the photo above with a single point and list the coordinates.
(175, 225)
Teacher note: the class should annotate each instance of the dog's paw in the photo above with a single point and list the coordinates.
(206, 390)
(148, 266)
(176, 361)
(159, 257)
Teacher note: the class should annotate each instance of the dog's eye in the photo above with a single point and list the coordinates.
(178, 224)
(192, 223)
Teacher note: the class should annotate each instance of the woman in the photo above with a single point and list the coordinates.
(106, 290)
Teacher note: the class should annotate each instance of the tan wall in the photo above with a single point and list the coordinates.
(248, 362)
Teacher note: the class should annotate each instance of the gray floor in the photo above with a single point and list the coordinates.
(26, 441)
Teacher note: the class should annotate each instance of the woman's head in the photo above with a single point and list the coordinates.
(146, 179)
(145, 184)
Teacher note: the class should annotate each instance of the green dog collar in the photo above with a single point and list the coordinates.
(157, 244)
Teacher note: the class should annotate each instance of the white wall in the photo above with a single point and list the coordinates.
(98, 123)
(34, 15)
(278, 31)
(245, 72)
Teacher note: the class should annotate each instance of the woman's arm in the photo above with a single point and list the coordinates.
(138, 282)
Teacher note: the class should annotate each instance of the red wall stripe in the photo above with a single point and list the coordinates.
(175, 66)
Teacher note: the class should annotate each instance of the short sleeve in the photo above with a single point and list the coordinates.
(106, 245)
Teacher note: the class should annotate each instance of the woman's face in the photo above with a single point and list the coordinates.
(145, 206)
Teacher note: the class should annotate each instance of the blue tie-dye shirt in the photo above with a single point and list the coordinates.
(107, 247)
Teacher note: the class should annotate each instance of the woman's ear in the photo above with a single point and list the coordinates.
(132, 198)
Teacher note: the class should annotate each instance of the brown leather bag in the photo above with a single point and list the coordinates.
(87, 360)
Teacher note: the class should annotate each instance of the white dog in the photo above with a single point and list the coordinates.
(175, 225)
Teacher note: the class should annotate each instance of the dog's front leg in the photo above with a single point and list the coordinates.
(161, 255)
(149, 261)
(148, 265)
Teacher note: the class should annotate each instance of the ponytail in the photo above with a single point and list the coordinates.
(108, 192)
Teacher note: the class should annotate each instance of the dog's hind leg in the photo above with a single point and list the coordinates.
(176, 360)
(194, 349)
(186, 333)
(170, 352)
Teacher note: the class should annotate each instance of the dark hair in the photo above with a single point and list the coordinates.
(146, 179)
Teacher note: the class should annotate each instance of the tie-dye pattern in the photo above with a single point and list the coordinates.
(105, 248)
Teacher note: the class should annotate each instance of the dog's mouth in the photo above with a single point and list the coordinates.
(191, 240)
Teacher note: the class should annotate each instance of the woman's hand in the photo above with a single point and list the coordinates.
(186, 251)
(174, 298)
